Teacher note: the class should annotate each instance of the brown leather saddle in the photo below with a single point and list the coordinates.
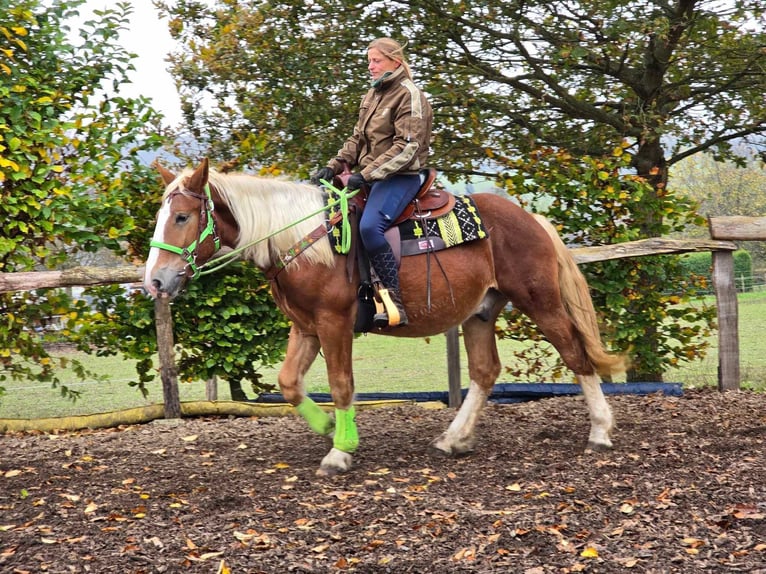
(430, 202)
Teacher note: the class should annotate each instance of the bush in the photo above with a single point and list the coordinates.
(702, 264)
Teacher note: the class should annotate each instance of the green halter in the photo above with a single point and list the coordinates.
(189, 253)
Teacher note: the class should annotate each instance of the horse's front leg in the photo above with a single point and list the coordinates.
(337, 339)
(302, 349)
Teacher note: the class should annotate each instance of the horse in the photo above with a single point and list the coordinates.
(522, 261)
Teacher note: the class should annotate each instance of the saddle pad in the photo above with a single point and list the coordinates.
(461, 225)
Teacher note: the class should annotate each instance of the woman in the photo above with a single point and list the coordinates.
(389, 147)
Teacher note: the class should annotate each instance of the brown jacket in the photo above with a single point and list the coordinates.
(393, 132)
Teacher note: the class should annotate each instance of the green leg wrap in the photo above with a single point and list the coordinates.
(319, 421)
(346, 436)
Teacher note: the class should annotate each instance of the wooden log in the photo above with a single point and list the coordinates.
(651, 246)
(738, 228)
(728, 321)
(149, 413)
(84, 276)
(166, 348)
(75, 276)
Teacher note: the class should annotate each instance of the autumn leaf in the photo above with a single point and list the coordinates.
(203, 557)
(693, 543)
(743, 512)
(627, 508)
(589, 552)
(465, 554)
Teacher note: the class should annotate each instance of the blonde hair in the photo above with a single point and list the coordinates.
(392, 50)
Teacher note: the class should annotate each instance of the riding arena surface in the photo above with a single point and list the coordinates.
(683, 490)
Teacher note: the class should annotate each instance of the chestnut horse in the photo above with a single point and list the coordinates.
(522, 261)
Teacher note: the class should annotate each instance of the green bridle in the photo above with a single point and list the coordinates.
(189, 253)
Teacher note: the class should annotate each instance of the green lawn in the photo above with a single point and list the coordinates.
(380, 364)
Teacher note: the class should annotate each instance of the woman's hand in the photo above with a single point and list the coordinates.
(356, 181)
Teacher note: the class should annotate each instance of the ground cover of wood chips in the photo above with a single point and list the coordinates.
(684, 490)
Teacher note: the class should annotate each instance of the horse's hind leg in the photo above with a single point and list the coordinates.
(559, 330)
(484, 368)
(601, 421)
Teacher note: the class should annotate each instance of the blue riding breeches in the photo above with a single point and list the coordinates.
(385, 202)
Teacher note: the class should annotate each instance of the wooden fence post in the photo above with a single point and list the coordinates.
(165, 347)
(453, 368)
(211, 388)
(728, 320)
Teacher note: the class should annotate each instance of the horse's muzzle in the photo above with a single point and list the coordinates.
(165, 282)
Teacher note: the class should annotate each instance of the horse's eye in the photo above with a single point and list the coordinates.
(181, 218)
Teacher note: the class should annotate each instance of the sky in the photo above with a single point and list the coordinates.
(148, 37)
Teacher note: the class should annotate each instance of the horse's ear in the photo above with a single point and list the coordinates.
(198, 179)
(167, 175)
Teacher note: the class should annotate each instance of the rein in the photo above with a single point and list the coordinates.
(189, 253)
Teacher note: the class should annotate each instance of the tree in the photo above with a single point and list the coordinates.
(725, 188)
(65, 140)
(661, 81)
(75, 178)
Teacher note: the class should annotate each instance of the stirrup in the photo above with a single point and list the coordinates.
(390, 315)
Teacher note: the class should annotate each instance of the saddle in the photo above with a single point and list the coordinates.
(429, 203)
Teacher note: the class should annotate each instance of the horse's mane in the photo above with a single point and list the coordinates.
(263, 205)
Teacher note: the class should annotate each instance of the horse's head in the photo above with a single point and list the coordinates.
(185, 236)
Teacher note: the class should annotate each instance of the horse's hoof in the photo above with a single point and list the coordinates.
(442, 448)
(335, 462)
(434, 450)
(598, 447)
(328, 472)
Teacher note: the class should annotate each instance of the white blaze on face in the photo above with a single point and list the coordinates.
(162, 218)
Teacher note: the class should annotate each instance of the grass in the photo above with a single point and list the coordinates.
(380, 364)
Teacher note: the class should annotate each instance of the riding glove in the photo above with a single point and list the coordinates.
(356, 181)
(326, 173)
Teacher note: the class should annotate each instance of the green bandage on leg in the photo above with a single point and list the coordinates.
(346, 436)
(318, 420)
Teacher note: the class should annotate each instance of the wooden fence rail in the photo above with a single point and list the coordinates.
(723, 231)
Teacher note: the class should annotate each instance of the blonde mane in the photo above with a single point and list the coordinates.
(262, 206)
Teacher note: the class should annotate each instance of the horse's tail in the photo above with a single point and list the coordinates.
(577, 301)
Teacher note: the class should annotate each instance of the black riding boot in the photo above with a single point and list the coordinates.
(385, 266)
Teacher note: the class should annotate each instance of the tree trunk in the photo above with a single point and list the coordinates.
(237, 394)
(650, 164)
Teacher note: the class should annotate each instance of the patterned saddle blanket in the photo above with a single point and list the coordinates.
(418, 235)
